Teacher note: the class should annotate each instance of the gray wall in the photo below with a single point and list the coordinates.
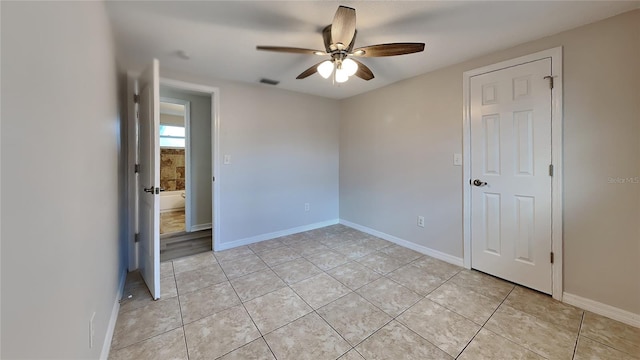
(397, 144)
(62, 180)
(200, 143)
(284, 153)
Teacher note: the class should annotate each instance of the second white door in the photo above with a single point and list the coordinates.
(511, 183)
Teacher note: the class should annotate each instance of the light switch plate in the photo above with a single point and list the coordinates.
(227, 160)
(457, 159)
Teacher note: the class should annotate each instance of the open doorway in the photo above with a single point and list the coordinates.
(186, 170)
(174, 165)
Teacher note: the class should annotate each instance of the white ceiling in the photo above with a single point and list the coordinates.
(220, 36)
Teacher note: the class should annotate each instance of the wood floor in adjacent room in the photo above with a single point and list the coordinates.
(337, 293)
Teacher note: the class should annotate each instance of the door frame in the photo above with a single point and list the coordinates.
(555, 54)
(187, 156)
(214, 92)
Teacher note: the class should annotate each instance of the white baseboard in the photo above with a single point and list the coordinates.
(200, 227)
(273, 235)
(599, 308)
(106, 346)
(408, 244)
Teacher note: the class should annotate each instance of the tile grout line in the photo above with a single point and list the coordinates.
(184, 333)
(575, 347)
(485, 323)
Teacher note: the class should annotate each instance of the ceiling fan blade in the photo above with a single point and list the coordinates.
(389, 49)
(310, 71)
(363, 71)
(326, 36)
(291, 50)
(344, 26)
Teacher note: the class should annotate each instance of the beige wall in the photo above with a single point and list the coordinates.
(62, 221)
(397, 144)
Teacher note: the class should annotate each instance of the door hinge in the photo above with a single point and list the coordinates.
(551, 257)
(136, 237)
(136, 98)
(550, 81)
(550, 169)
(136, 168)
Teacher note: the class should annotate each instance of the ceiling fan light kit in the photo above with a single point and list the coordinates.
(339, 38)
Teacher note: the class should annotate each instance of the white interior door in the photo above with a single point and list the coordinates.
(510, 159)
(149, 177)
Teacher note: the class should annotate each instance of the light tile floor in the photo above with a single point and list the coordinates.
(337, 293)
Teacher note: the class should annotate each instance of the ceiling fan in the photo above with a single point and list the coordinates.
(339, 38)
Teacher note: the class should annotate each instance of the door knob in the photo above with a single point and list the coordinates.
(477, 182)
(149, 189)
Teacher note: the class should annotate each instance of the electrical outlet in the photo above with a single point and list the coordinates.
(91, 331)
(421, 221)
(307, 207)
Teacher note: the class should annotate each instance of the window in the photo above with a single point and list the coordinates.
(172, 136)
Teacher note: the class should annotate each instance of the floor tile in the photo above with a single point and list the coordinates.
(135, 297)
(327, 260)
(336, 240)
(475, 307)
(354, 250)
(402, 253)
(395, 341)
(166, 269)
(309, 248)
(320, 290)
(276, 309)
(307, 338)
(545, 307)
(168, 287)
(170, 345)
(615, 334)
(484, 284)
(256, 284)
(416, 279)
(293, 239)
(134, 279)
(353, 275)
(589, 349)
(266, 245)
(441, 327)
(437, 267)
(375, 243)
(255, 350)
(541, 337)
(220, 333)
(296, 270)
(278, 256)
(380, 262)
(353, 317)
(148, 321)
(351, 355)
(489, 346)
(208, 301)
(232, 253)
(193, 280)
(242, 265)
(193, 262)
(389, 296)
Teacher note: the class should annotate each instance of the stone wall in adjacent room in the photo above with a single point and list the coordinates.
(172, 169)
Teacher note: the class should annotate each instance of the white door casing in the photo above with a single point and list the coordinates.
(149, 177)
(513, 222)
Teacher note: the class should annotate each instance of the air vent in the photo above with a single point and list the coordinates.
(269, 81)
